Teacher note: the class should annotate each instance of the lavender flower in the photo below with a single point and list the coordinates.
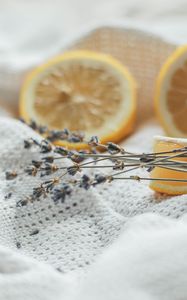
(37, 163)
(24, 202)
(113, 148)
(94, 141)
(76, 138)
(45, 147)
(48, 169)
(61, 150)
(38, 192)
(48, 159)
(75, 156)
(73, 169)
(119, 165)
(99, 178)
(60, 193)
(27, 144)
(118, 159)
(10, 175)
(55, 135)
(31, 170)
(85, 182)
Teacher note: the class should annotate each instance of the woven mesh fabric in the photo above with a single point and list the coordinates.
(72, 234)
(141, 52)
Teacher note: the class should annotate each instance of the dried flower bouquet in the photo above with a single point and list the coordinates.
(119, 163)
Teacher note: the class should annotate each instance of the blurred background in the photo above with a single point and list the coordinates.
(31, 31)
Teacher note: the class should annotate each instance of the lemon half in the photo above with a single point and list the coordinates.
(81, 90)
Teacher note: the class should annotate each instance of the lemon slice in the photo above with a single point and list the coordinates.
(166, 144)
(81, 90)
(171, 94)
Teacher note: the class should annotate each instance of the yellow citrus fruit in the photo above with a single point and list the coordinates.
(171, 94)
(81, 90)
(166, 144)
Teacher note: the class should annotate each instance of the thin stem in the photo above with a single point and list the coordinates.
(173, 169)
(62, 175)
(169, 157)
(96, 167)
(137, 178)
(92, 161)
(148, 164)
(122, 172)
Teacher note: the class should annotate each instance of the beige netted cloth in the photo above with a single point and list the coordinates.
(142, 52)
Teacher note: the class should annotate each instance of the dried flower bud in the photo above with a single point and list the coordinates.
(135, 177)
(144, 158)
(42, 129)
(113, 148)
(85, 182)
(22, 202)
(150, 169)
(77, 137)
(37, 163)
(94, 141)
(66, 131)
(60, 193)
(55, 135)
(45, 147)
(28, 144)
(75, 156)
(73, 170)
(48, 159)
(61, 150)
(11, 175)
(99, 178)
(38, 192)
(49, 169)
(31, 170)
(33, 125)
(110, 178)
(119, 165)
(49, 185)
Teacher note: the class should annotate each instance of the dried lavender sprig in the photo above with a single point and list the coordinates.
(149, 163)
(32, 170)
(130, 165)
(116, 154)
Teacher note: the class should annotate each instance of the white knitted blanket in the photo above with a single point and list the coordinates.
(148, 261)
(118, 241)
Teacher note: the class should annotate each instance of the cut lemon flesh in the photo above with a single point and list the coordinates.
(171, 94)
(165, 144)
(83, 91)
